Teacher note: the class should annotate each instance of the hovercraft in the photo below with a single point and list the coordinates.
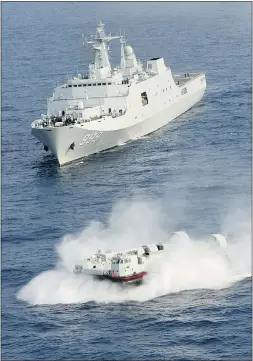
(130, 266)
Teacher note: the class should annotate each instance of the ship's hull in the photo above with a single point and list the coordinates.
(70, 143)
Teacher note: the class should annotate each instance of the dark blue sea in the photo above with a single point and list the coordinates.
(194, 175)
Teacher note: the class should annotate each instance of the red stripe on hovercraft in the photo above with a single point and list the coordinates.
(133, 277)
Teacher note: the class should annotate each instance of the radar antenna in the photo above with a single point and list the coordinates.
(99, 42)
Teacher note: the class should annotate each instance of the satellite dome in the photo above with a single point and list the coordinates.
(128, 50)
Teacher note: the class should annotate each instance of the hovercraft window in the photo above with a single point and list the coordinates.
(75, 85)
(144, 98)
(160, 247)
(70, 86)
(146, 250)
(79, 84)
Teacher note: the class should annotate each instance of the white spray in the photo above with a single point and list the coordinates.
(186, 264)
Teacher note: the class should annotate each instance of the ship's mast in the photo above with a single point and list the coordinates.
(101, 68)
(122, 53)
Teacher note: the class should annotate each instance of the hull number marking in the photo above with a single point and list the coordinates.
(90, 138)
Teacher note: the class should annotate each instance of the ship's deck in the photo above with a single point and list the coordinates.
(183, 78)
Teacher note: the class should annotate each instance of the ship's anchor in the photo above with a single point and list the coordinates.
(72, 146)
(46, 148)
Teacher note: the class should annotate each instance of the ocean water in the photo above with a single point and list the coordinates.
(193, 175)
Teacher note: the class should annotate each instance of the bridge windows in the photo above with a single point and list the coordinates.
(85, 84)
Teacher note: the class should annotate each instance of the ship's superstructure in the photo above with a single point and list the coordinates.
(131, 266)
(110, 106)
